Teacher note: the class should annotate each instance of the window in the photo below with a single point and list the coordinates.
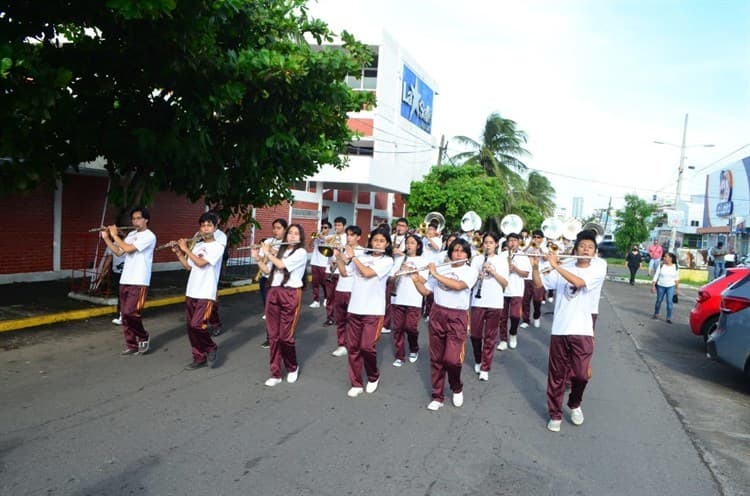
(366, 79)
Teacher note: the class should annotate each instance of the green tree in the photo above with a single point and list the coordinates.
(634, 222)
(222, 100)
(453, 191)
(498, 152)
(541, 193)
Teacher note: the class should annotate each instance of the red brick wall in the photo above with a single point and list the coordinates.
(83, 199)
(265, 217)
(363, 221)
(364, 197)
(26, 243)
(399, 208)
(345, 196)
(173, 217)
(363, 126)
(381, 201)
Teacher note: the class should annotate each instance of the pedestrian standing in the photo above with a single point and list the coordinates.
(655, 252)
(718, 253)
(633, 260)
(666, 284)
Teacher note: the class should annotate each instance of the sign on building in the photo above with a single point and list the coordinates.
(416, 100)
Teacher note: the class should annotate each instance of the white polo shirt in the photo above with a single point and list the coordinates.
(203, 281)
(137, 268)
(368, 294)
(295, 262)
(492, 291)
(406, 293)
(449, 298)
(573, 307)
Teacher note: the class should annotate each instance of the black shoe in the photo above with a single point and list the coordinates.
(328, 323)
(216, 331)
(669, 321)
(211, 359)
(265, 344)
(195, 365)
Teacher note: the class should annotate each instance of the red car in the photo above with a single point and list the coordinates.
(705, 314)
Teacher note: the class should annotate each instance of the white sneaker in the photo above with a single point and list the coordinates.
(315, 304)
(502, 346)
(554, 425)
(537, 322)
(524, 325)
(264, 316)
(551, 299)
(513, 342)
(477, 368)
(355, 391)
(325, 302)
(458, 399)
(544, 301)
(273, 381)
(435, 405)
(371, 386)
(291, 377)
(385, 330)
(413, 357)
(143, 347)
(340, 351)
(576, 416)
(398, 363)
(484, 375)
(427, 319)
(117, 320)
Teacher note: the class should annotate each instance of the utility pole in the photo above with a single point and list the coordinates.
(606, 219)
(673, 238)
(441, 150)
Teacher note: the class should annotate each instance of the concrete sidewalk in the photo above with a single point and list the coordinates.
(40, 303)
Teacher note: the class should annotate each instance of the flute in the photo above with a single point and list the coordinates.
(105, 228)
(196, 237)
(419, 269)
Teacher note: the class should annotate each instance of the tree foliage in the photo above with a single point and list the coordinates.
(453, 191)
(224, 100)
(541, 193)
(634, 222)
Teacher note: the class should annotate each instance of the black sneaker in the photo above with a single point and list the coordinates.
(195, 365)
(265, 344)
(216, 331)
(211, 358)
(128, 352)
(328, 323)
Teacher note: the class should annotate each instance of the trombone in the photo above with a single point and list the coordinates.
(191, 242)
(425, 267)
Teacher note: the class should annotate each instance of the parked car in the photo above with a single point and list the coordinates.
(730, 342)
(608, 249)
(705, 313)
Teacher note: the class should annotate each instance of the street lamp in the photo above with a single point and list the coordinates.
(681, 169)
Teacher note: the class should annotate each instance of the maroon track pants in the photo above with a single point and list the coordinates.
(318, 281)
(569, 357)
(512, 310)
(362, 334)
(531, 295)
(282, 314)
(339, 311)
(485, 323)
(448, 332)
(405, 324)
(132, 300)
(197, 314)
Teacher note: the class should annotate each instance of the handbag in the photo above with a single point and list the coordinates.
(675, 299)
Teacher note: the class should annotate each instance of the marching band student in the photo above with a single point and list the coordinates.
(367, 309)
(433, 252)
(284, 301)
(572, 341)
(278, 227)
(487, 304)
(200, 294)
(399, 252)
(332, 274)
(519, 268)
(318, 264)
(407, 304)
(138, 249)
(344, 288)
(214, 322)
(531, 294)
(449, 321)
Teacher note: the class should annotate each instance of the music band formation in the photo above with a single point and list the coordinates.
(468, 285)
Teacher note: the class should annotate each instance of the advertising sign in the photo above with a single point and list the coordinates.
(416, 100)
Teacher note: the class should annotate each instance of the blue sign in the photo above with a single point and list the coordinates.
(416, 101)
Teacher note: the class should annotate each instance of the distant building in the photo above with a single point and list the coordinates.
(577, 210)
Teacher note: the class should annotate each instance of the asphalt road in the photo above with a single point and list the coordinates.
(77, 419)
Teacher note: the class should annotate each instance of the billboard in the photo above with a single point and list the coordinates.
(416, 100)
(727, 194)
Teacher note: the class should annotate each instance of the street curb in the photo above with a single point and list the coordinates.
(52, 318)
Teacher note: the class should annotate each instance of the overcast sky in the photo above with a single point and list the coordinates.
(592, 82)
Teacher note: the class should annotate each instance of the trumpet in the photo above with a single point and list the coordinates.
(425, 267)
(119, 228)
(191, 242)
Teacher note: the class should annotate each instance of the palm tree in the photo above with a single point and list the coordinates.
(541, 193)
(499, 152)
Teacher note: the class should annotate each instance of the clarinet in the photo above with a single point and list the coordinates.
(478, 296)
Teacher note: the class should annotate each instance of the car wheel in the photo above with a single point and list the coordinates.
(709, 326)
